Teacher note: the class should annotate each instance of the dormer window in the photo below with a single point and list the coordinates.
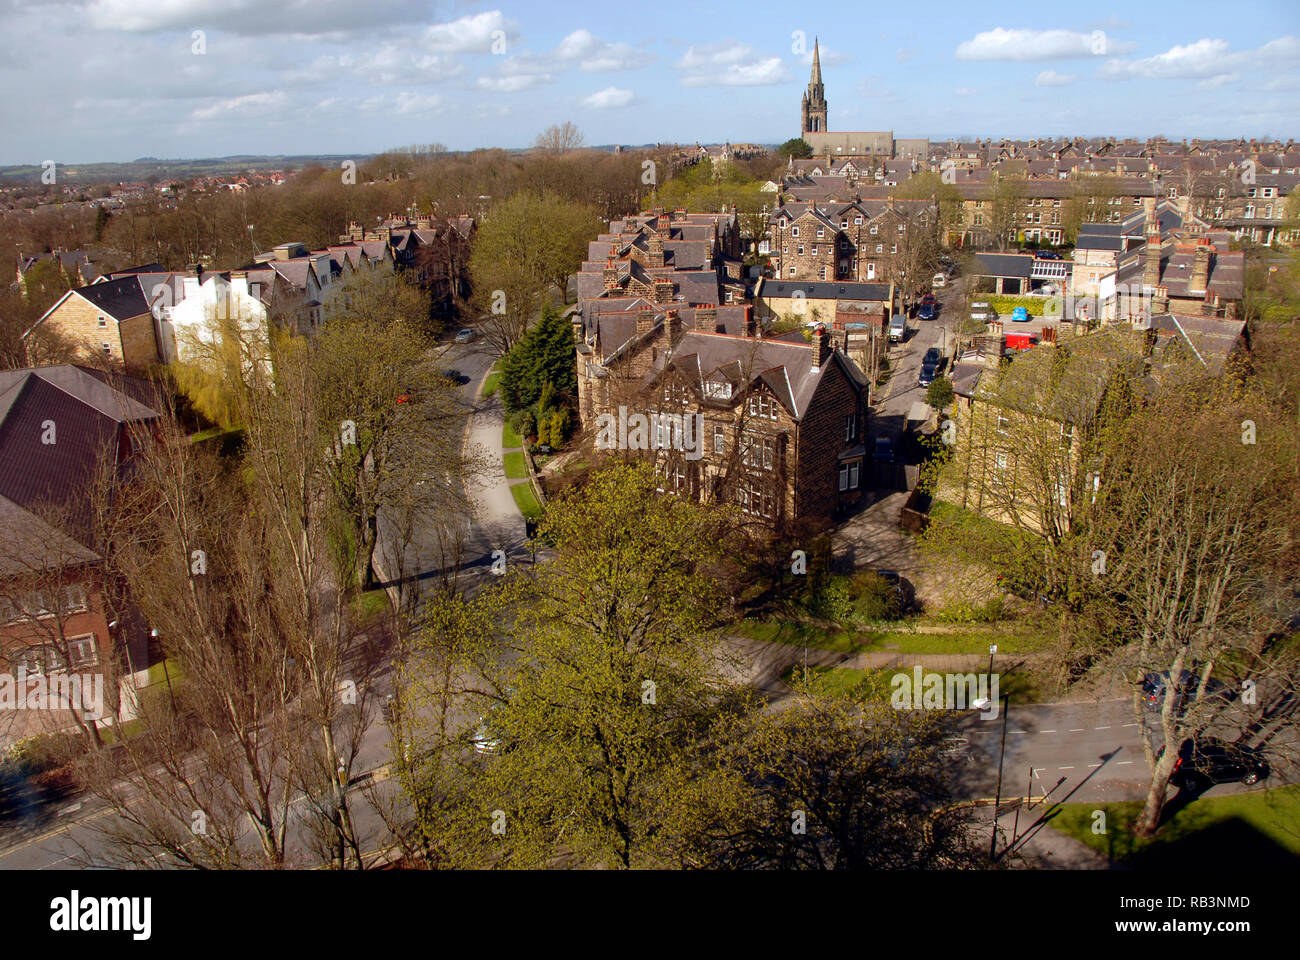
(875, 230)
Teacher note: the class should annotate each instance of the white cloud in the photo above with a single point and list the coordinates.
(964, 92)
(730, 64)
(1050, 78)
(513, 83)
(1029, 45)
(251, 17)
(472, 34)
(1218, 81)
(598, 56)
(250, 105)
(904, 54)
(609, 98)
(1206, 59)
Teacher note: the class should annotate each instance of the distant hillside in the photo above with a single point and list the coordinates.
(146, 168)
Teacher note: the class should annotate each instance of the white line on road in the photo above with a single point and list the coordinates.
(1123, 762)
(1076, 730)
(1046, 731)
(1065, 768)
(1091, 765)
(1107, 727)
(1128, 724)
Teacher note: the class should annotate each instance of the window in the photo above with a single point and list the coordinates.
(1003, 423)
(901, 228)
(857, 222)
(875, 229)
(1000, 461)
(814, 250)
(849, 473)
(821, 274)
(762, 405)
(783, 223)
(880, 248)
(719, 438)
(844, 224)
(107, 348)
(821, 232)
(794, 231)
(792, 271)
(102, 322)
(84, 650)
(799, 249)
(850, 427)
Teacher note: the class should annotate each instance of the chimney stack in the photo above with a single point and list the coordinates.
(611, 275)
(663, 290)
(1151, 271)
(645, 319)
(706, 318)
(656, 255)
(821, 346)
(1200, 267)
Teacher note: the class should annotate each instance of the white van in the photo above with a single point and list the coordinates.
(898, 326)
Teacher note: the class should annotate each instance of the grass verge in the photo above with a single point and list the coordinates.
(516, 466)
(526, 500)
(509, 438)
(1261, 826)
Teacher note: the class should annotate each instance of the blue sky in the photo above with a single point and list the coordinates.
(118, 79)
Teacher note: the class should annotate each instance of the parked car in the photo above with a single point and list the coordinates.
(455, 376)
(933, 356)
(898, 327)
(1203, 763)
(884, 450)
(1019, 315)
(939, 280)
(464, 335)
(1047, 255)
(906, 592)
(929, 307)
(928, 372)
(1154, 684)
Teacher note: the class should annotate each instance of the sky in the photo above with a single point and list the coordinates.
(114, 80)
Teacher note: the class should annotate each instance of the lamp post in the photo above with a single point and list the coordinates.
(997, 797)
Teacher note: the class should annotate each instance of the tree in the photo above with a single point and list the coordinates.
(529, 244)
(559, 138)
(596, 697)
(544, 356)
(1195, 529)
(796, 148)
(940, 393)
(928, 185)
(1006, 208)
(1090, 202)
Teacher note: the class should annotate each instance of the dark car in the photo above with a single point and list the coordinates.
(455, 376)
(884, 450)
(1203, 763)
(906, 592)
(1048, 255)
(932, 356)
(928, 372)
(1154, 684)
(927, 310)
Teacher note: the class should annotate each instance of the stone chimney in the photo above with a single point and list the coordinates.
(706, 318)
(663, 290)
(611, 275)
(656, 254)
(1151, 270)
(679, 215)
(821, 344)
(751, 329)
(1200, 267)
(645, 319)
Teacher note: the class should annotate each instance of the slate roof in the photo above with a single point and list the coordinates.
(120, 299)
(1004, 265)
(827, 289)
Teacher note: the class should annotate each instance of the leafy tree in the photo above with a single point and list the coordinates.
(796, 147)
(940, 394)
(543, 358)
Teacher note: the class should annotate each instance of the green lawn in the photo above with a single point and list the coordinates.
(371, 605)
(874, 684)
(516, 466)
(1258, 827)
(509, 438)
(491, 383)
(526, 500)
(894, 641)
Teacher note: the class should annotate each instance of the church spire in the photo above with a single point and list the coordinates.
(813, 109)
(816, 65)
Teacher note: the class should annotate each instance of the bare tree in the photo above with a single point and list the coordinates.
(559, 138)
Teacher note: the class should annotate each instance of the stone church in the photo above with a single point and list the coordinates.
(816, 133)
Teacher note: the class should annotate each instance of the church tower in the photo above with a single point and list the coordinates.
(813, 112)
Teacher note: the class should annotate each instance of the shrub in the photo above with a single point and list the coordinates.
(874, 599)
(833, 601)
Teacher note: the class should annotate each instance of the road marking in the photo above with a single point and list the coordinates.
(1123, 762)
(1091, 765)
(1046, 731)
(1076, 730)
(1065, 768)
(1107, 727)
(1128, 724)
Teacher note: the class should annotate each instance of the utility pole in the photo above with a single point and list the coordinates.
(997, 798)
